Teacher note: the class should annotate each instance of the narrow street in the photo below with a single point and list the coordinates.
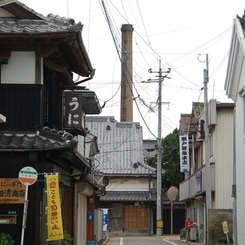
(147, 240)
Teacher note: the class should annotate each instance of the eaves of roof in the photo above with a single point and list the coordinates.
(125, 196)
(29, 25)
(60, 143)
(100, 188)
(35, 141)
(135, 196)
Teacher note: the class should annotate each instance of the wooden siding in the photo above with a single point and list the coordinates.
(21, 104)
(136, 217)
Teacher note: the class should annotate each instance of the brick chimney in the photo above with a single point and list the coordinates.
(126, 74)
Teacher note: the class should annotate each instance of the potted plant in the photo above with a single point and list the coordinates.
(6, 239)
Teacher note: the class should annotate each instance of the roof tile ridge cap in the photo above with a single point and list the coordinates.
(62, 20)
(147, 167)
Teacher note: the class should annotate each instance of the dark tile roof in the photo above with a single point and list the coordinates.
(46, 139)
(27, 20)
(134, 196)
(8, 25)
(47, 25)
(120, 145)
(27, 23)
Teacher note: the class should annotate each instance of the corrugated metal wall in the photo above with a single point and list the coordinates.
(223, 146)
(22, 106)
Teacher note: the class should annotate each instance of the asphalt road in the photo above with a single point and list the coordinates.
(146, 240)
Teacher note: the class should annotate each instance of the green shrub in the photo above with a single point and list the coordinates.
(216, 234)
(6, 239)
(67, 239)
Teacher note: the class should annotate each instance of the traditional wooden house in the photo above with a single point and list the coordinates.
(131, 188)
(42, 122)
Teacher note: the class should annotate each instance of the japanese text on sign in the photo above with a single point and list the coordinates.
(12, 191)
(73, 110)
(184, 152)
(55, 227)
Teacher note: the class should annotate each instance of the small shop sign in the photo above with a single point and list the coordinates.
(12, 191)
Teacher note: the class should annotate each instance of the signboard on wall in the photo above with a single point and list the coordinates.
(12, 191)
(184, 152)
(73, 110)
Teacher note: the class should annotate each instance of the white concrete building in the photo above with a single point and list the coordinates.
(235, 89)
(193, 188)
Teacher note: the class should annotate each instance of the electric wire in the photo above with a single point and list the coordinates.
(167, 63)
(219, 65)
(123, 67)
(133, 85)
(89, 24)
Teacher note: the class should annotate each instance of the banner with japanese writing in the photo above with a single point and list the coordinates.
(12, 191)
(184, 152)
(54, 218)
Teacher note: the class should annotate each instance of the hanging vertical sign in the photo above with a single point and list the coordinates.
(73, 110)
(54, 218)
(184, 152)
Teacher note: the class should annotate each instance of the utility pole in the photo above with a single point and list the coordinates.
(207, 143)
(159, 224)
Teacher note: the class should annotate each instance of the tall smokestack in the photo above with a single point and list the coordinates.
(126, 74)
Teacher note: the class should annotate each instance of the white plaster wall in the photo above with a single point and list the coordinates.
(240, 170)
(20, 68)
(127, 184)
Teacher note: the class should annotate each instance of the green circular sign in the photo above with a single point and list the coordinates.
(28, 175)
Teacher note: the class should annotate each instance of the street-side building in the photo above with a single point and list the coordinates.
(42, 124)
(131, 191)
(193, 188)
(235, 89)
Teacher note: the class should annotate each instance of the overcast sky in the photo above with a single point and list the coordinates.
(179, 33)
